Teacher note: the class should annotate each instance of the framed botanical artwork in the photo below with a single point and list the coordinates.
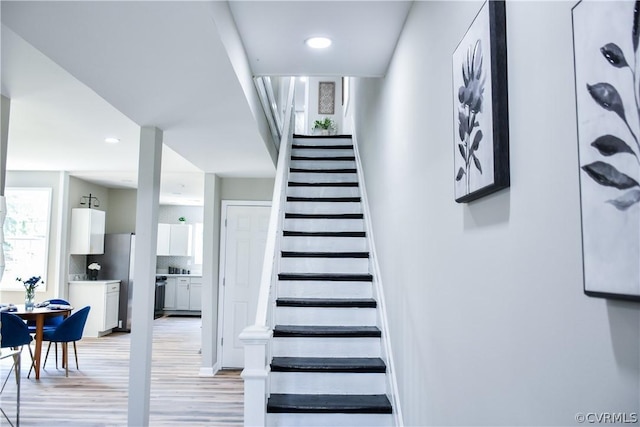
(326, 97)
(481, 122)
(607, 79)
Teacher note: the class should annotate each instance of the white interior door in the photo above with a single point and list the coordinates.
(246, 235)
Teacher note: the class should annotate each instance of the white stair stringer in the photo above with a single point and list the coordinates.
(328, 364)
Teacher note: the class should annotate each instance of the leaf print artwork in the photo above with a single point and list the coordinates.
(607, 96)
(470, 97)
(607, 89)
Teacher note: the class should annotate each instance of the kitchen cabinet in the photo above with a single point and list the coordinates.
(174, 240)
(170, 294)
(195, 294)
(183, 294)
(87, 231)
(103, 296)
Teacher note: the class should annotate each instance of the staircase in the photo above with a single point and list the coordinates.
(327, 368)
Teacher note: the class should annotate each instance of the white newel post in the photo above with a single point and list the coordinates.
(256, 371)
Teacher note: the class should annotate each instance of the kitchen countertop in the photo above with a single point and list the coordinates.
(178, 275)
(94, 282)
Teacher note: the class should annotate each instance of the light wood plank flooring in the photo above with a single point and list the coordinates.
(96, 395)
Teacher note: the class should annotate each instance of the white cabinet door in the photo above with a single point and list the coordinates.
(180, 241)
(170, 294)
(164, 238)
(195, 295)
(87, 231)
(103, 297)
(111, 314)
(182, 293)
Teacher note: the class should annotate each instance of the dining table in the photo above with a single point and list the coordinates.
(39, 314)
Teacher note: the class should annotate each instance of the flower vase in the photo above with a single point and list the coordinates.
(93, 274)
(29, 298)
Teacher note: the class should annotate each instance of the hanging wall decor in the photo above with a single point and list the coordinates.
(326, 97)
(481, 136)
(607, 78)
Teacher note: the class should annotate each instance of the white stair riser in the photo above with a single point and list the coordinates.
(324, 207)
(295, 289)
(323, 224)
(327, 383)
(334, 420)
(323, 191)
(325, 265)
(326, 316)
(322, 177)
(323, 164)
(325, 347)
(322, 152)
(323, 141)
(324, 244)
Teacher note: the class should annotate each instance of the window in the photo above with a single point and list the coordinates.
(26, 235)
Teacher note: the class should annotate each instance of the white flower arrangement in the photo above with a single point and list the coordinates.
(94, 266)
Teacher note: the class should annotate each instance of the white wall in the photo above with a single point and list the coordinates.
(489, 324)
(313, 87)
(247, 189)
(121, 217)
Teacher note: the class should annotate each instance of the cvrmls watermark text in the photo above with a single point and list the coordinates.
(607, 417)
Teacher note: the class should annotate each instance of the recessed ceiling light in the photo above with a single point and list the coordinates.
(318, 42)
(111, 140)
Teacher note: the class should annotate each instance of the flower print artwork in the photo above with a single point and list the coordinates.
(481, 151)
(470, 97)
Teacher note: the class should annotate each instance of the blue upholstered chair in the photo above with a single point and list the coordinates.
(70, 330)
(14, 333)
(49, 322)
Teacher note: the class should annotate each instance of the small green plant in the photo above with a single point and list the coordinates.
(325, 124)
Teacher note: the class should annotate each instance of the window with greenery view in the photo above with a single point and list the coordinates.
(26, 235)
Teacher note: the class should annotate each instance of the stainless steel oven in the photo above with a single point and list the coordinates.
(161, 285)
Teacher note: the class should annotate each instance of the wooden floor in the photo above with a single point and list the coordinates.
(96, 395)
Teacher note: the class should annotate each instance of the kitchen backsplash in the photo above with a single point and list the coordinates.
(184, 263)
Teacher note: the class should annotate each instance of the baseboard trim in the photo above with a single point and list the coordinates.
(207, 371)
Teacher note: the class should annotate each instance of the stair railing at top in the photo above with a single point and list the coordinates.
(275, 117)
(256, 337)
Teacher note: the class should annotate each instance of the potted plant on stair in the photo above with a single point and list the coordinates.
(324, 127)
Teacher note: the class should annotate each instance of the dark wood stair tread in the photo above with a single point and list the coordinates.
(290, 233)
(292, 254)
(305, 170)
(329, 403)
(299, 136)
(323, 147)
(322, 184)
(329, 159)
(328, 364)
(327, 302)
(324, 199)
(324, 216)
(292, 331)
(328, 277)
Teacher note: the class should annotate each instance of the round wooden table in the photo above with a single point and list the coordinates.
(39, 314)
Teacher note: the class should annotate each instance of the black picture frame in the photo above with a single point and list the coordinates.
(484, 140)
(606, 39)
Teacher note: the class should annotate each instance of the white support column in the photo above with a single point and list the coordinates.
(210, 255)
(255, 374)
(148, 196)
(5, 108)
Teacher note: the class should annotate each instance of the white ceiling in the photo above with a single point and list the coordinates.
(77, 72)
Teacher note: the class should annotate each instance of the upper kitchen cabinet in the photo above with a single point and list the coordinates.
(174, 240)
(87, 231)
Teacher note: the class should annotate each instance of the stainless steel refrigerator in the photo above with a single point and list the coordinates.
(117, 264)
